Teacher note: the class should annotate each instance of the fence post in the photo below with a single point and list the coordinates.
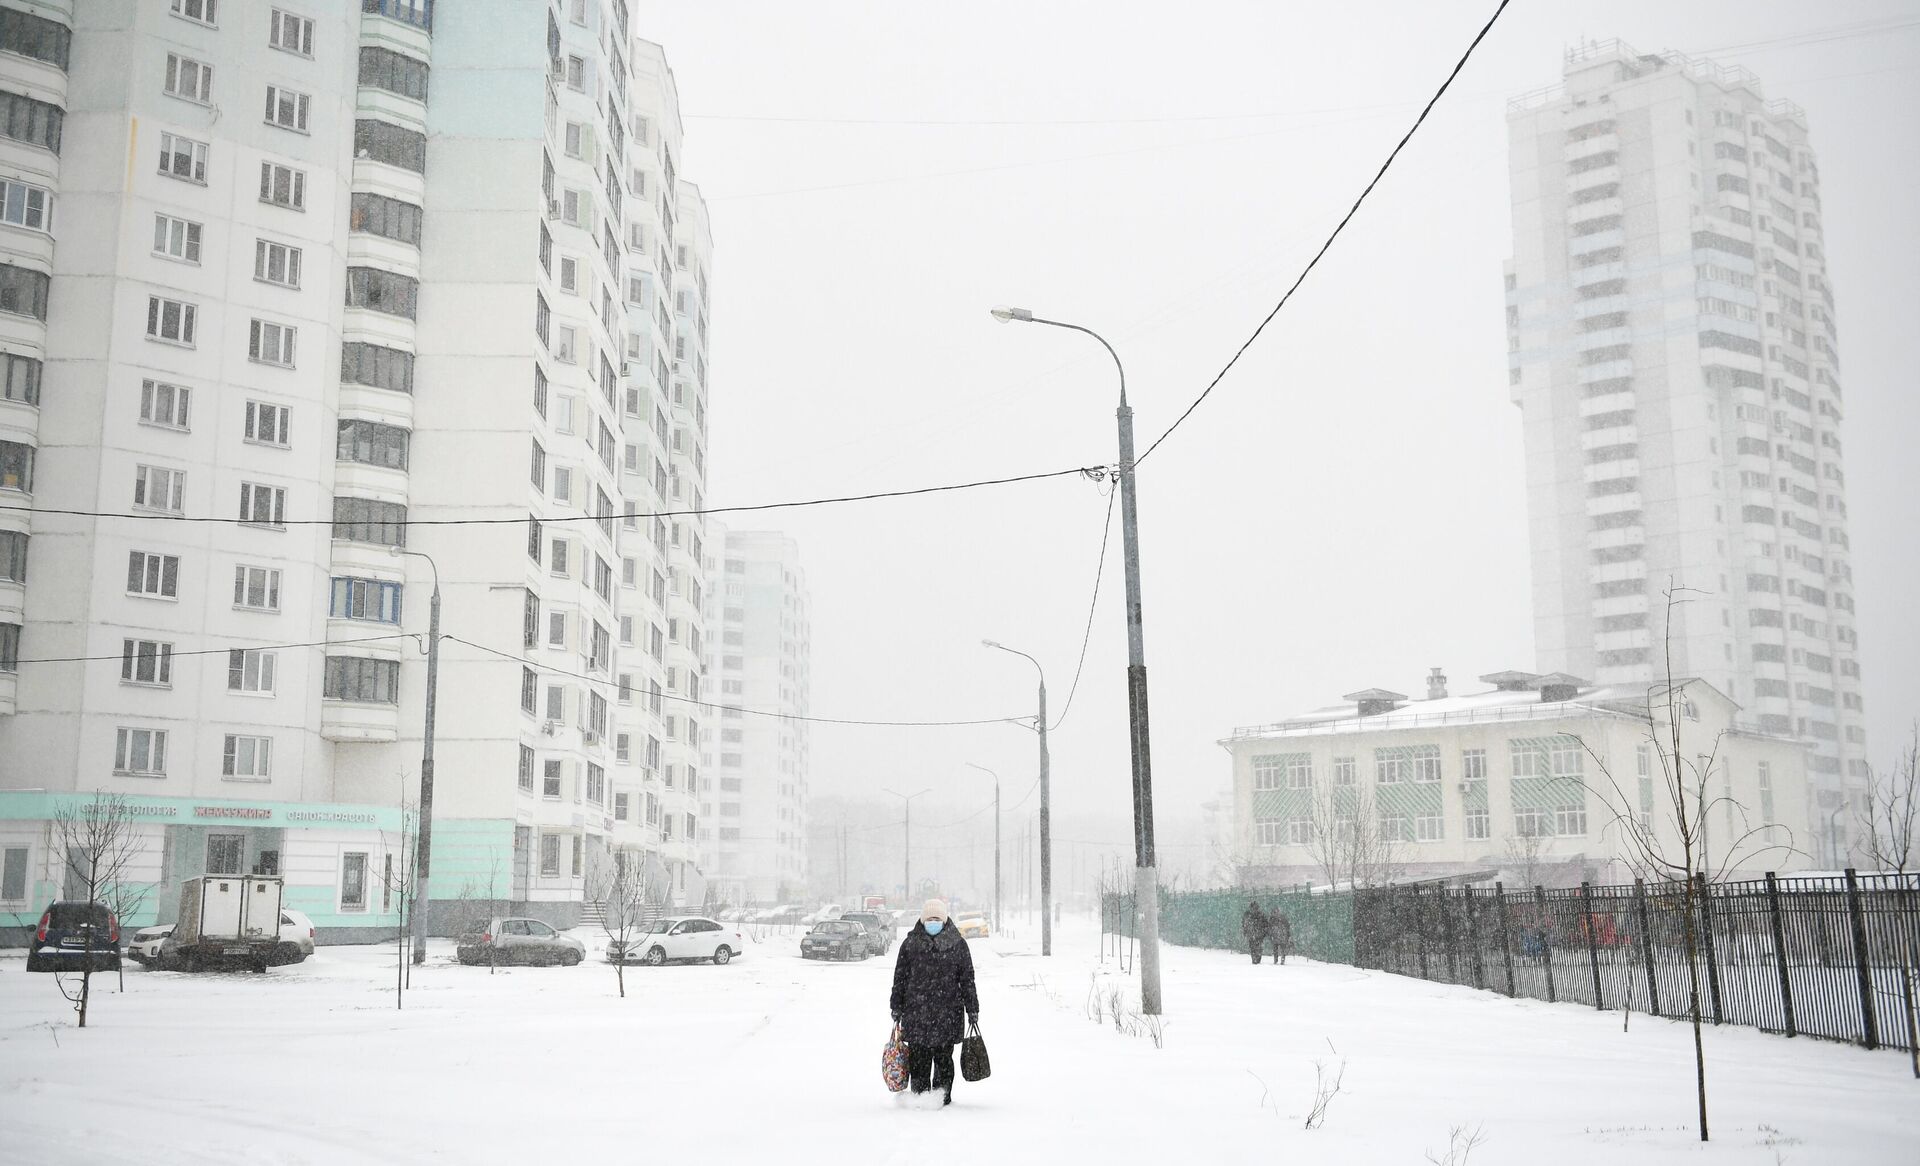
(1646, 945)
(1448, 937)
(1546, 935)
(1862, 962)
(1420, 927)
(1593, 947)
(1473, 940)
(1701, 892)
(1506, 943)
(1780, 951)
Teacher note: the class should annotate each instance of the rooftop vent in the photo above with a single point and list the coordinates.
(1436, 685)
(1558, 686)
(1373, 701)
(1511, 681)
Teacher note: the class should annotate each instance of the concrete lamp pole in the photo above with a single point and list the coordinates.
(423, 847)
(1146, 889)
(906, 874)
(996, 842)
(1046, 806)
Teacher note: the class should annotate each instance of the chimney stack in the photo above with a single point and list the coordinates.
(1436, 685)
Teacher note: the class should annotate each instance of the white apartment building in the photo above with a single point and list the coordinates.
(755, 793)
(288, 286)
(1526, 781)
(1674, 358)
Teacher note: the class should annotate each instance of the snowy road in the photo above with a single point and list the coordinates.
(776, 1060)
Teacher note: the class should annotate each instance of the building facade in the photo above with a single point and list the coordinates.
(312, 313)
(1530, 781)
(1673, 353)
(756, 794)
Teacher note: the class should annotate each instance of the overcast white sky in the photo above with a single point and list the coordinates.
(1347, 510)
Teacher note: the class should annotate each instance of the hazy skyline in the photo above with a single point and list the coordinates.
(1346, 510)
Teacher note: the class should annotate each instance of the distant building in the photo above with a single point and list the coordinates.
(754, 796)
(1521, 782)
(1674, 357)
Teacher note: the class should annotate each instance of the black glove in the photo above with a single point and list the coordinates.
(973, 1018)
(896, 1018)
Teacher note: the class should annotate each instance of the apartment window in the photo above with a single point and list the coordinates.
(1473, 765)
(418, 13)
(146, 662)
(283, 186)
(34, 36)
(353, 881)
(382, 291)
(569, 274)
(246, 758)
(1570, 821)
(530, 621)
(267, 424)
(1429, 828)
(251, 670)
(288, 109)
(393, 72)
(579, 143)
(190, 79)
(622, 805)
(1269, 831)
(557, 559)
(1426, 764)
(13, 872)
(566, 345)
(538, 469)
(19, 375)
(376, 214)
(1533, 823)
(1389, 768)
(157, 488)
(140, 752)
(13, 556)
(550, 855)
(164, 404)
(176, 238)
(256, 588)
(198, 11)
(365, 520)
(262, 505)
(23, 291)
(1479, 824)
(378, 367)
(576, 74)
(371, 443)
(171, 320)
(290, 33)
(182, 157)
(542, 317)
(366, 681)
(556, 629)
(373, 600)
(22, 205)
(384, 142)
(9, 647)
(153, 575)
(563, 483)
(550, 783)
(276, 263)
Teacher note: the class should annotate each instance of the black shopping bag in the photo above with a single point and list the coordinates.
(974, 1065)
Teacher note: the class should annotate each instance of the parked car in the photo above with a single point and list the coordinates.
(972, 925)
(296, 937)
(517, 941)
(144, 948)
(823, 913)
(879, 929)
(68, 929)
(682, 937)
(837, 939)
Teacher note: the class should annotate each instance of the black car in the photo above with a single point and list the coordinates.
(68, 931)
(879, 929)
(837, 939)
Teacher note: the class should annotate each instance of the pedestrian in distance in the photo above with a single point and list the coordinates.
(933, 999)
(1253, 929)
(1280, 935)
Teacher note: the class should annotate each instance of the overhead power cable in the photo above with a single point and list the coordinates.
(1338, 227)
(1085, 471)
(1093, 605)
(237, 647)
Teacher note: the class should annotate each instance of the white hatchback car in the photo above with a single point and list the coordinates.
(681, 937)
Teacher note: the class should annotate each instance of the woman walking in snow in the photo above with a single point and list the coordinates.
(933, 996)
(1253, 929)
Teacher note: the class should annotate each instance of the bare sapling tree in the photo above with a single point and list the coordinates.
(1526, 852)
(473, 895)
(618, 882)
(396, 882)
(1669, 839)
(1892, 811)
(101, 846)
(1348, 840)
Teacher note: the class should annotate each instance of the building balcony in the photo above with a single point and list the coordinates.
(1588, 147)
(1606, 403)
(364, 481)
(391, 107)
(19, 421)
(1620, 605)
(346, 721)
(1615, 641)
(1614, 572)
(395, 181)
(1604, 306)
(402, 25)
(1613, 504)
(1619, 536)
(1598, 273)
(1604, 176)
(1605, 338)
(369, 250)
(9, 692)
(382, 405)
(1606, 471)
(1614, 435)
(1598, 208)
(380, 328)
(1598, 241)
(1605, 371)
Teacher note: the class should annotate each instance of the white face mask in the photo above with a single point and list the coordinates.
(933, 926)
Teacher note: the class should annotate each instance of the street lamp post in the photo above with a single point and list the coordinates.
(1046, 807)
(1146, 888)
(906, 874)
(423, 843)
(996, 843)
(1833, 835)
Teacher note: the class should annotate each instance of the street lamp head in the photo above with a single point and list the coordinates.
(1004, 315)
(990, 643)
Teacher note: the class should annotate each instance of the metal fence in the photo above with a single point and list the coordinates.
(1831, 957)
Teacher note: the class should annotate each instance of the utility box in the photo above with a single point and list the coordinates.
(227, 918)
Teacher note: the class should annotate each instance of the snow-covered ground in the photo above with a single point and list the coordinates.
(774, 1059)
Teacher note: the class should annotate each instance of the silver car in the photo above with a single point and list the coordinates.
(517, 941)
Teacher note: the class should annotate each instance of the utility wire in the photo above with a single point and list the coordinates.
(1339, 227)
(224, 651)
(1086, 471)
(1093, 605)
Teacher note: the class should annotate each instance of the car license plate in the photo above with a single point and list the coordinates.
(233, 951)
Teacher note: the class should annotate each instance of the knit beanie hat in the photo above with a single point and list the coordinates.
(935, 909)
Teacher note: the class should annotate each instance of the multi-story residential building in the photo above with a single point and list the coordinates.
(755, 795)
(1531, 781)
(1674, 358)
(310, 312)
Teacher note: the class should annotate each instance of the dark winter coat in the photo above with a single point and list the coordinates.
(1280, 929)
(1253, 923)
(933, 990)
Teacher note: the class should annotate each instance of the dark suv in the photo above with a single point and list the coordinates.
(68, 929)
(879, 929)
